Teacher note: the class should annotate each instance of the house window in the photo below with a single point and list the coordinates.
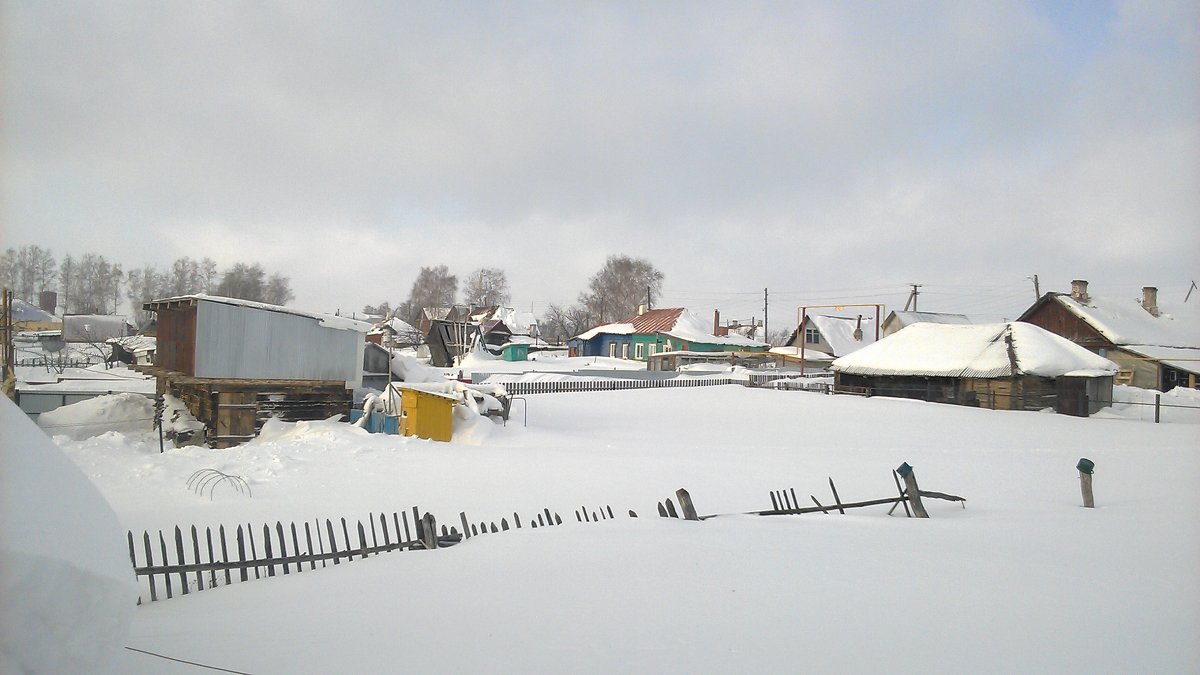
(812, 336)
(639, 351)
(625, 350)
(612, 349)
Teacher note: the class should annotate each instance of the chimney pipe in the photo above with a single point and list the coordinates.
(1150, 300)
(716, 322)
(858, 329)
(641, 310)
(1079, 291)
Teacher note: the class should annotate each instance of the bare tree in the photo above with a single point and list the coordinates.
(243, 281)
(68, 270)
(562, 323)
(382, 309)
(615, 292)
(279, 290)
(486, 287)
(434, 287)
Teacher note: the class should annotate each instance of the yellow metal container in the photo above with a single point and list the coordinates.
(426, 414)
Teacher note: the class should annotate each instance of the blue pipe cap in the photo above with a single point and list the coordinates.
(904, 470)
(1085, 465)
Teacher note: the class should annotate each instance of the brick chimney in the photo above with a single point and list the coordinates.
(1150, 300)
(1079, 291)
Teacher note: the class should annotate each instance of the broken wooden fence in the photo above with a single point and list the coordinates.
(190, 560)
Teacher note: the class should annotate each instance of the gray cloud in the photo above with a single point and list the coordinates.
(795, 145)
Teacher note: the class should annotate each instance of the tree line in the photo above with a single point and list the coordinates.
(614, 293)
(91, 284)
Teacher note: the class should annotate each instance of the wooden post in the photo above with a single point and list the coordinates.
(1157, 408)
(912, 490)
(1085, 467)
(685, 503)
(429, 531)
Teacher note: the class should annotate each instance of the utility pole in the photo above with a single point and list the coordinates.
(765, 338)
(1037, 291)
(912, 297)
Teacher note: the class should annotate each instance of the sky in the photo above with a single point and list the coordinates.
(828, 152)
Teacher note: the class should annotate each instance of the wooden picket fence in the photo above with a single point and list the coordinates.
(188, 560)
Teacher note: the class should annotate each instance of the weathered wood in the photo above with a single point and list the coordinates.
(241, 544)
(312, 564)
(282, 545)
(212, 581)
(407, 537)
(374, 539)
(1085, 485)
(474, 530)
(253, 549)
(267, 550)
(387, 540)
(150, 563)
(795, 499)
(333, 547)
(913, 491)
(162, 548)
(346, 540)
(836, 500)
(504, 524)
(900, 491)
(296, 546)
(632, 514)
(549, 520)
(180, 557)
(462, 515)
(494, 530)
(362, 539)
(578, 518)
(540, 521)
(585, 515)
(685, 504)
(815, 509)
(787, 505)
(774, 502)
(610, 513)
(396, 525)
(671, 508)
(814, 500)
(662, 510)
(516, 520)
(429, 531)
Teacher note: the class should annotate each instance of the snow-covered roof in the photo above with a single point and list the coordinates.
(135, 343)
(397, 326)
(675, 322)
(838, 332)
(326, 320)
(606, 328)
(1126, 322)
(810, 354)
(691, 329)
(947, 350)
(902, 318)
(26, 312)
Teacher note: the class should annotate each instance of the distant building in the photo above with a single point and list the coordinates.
(95, 328)
(1156, 344)
(832, 336)
(897, 320)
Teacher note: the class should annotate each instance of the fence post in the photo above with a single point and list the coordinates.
(1085, 467)
(429, 535)
(1157, 408)
(913, 491)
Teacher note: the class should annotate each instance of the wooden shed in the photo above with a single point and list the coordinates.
(237, 363)
(1007, 366)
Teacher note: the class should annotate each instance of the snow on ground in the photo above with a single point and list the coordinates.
(1023, 579)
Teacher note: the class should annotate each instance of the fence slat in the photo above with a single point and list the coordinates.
(387, 541)
(162, 545)
(253, 549)
(212, 580)
(312, 563)
(296, 547)
(150, 563)
(267, 550)
(332, 542)
(362, 539)
(241, 542)
(282, 545)
(181, 559)
(196, 553)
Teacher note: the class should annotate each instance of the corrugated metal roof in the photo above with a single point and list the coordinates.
(655, 320)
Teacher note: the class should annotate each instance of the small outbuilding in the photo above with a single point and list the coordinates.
(1006, 366)
(235, 363)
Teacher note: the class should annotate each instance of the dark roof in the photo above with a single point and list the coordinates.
(655, 320)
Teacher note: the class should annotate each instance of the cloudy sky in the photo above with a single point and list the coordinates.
(830, 152)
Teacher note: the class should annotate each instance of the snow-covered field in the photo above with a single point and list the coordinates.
(1022, 580)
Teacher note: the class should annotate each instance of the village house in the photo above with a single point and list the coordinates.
(1155, 344)
(820, 338)
(1005, 366)
(657, 331)
(236, 363)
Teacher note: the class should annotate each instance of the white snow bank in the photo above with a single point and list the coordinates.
(126, 412)
(1180, 405)
(67, 590)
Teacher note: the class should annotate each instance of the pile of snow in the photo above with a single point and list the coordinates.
(1180, 405)
(67, 590)
(127, 413)
(408, 369)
